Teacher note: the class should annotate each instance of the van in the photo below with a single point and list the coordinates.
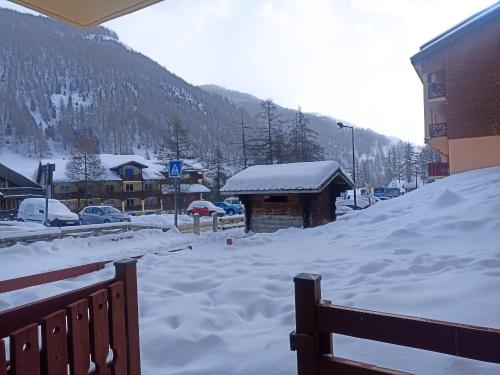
(33, 210)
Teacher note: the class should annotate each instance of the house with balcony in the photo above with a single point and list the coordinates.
(460, 73)
(14, 187)
(130, 183)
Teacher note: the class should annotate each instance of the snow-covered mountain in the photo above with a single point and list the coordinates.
(57, 82)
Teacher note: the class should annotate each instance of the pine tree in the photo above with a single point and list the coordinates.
(216, 172)
(264, 144)
(303, 140)
(85, 164)
(410, 161)
(175, 142)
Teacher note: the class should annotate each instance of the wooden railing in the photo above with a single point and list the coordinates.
(78, 328)
(438, 169)
(316, 320)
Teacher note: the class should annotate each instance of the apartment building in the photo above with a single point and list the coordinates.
(460, 74)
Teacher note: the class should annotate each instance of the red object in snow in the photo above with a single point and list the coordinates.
(229, 241)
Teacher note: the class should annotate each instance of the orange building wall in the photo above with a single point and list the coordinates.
(473, 153)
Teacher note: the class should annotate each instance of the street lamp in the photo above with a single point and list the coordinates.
(342, 126)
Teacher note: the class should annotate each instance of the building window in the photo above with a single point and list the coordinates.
(129, 172)
(110, 188)
(64, 188)
(148, 187)
(129, 187)
(276, 199)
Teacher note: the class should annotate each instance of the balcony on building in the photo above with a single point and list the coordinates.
(436, 88)
(438, 170)
(439, 129)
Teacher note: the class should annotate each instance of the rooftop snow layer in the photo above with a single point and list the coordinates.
(460, 27)
(110, 161)
(284, 177)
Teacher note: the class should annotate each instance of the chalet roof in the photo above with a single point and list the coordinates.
(489, 13)
(151, 168)
(186, 188)
(16, 178)
(129, 162)
(307, 177)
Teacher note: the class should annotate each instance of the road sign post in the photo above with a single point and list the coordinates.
(175, 172)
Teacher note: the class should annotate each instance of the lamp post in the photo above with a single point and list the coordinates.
(342, 126)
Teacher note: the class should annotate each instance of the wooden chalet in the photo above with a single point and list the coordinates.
(130, 183)
(14, 187)
(281, 196)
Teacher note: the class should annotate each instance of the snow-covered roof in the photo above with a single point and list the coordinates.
(186, 188)
(307, 177)
(461, 27)
(152, 170)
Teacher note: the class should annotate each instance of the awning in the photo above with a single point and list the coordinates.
(85, 13)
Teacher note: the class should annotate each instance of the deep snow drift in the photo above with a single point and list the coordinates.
(219, 309)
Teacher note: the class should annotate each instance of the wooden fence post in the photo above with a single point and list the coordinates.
(126, 272)
(309, 343)
(196, 224)
(215, 222)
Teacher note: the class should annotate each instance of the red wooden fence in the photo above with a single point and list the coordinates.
(94, 329)
(52, 276)
(316, 320)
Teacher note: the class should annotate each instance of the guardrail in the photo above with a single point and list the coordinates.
(317, 319)
(50, 234)
(217, 223)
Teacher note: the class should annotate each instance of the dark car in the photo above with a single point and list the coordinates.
(102, 214)
(230, 209)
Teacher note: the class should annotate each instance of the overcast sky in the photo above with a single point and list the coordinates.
(349, 59)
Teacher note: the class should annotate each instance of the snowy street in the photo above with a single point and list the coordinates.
(219, 309)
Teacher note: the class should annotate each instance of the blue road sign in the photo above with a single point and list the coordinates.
(175, 168)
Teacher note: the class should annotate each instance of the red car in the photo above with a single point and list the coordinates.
(204, 208)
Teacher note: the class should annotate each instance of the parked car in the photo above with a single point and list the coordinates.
(102, 214)
(33, 209)
(233, 200)
(204, 208)
(230, 209)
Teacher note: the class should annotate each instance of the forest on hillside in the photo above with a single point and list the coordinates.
(59, 83)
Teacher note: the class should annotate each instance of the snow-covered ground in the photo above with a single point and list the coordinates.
(219, 309)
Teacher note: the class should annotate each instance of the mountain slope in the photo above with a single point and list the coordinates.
(57, 82)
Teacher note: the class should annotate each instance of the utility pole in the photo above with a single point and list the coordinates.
(245, 160)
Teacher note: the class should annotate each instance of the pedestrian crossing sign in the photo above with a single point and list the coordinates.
(175, 168)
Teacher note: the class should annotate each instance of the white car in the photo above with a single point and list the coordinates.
(204, 208)
(33, 210)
